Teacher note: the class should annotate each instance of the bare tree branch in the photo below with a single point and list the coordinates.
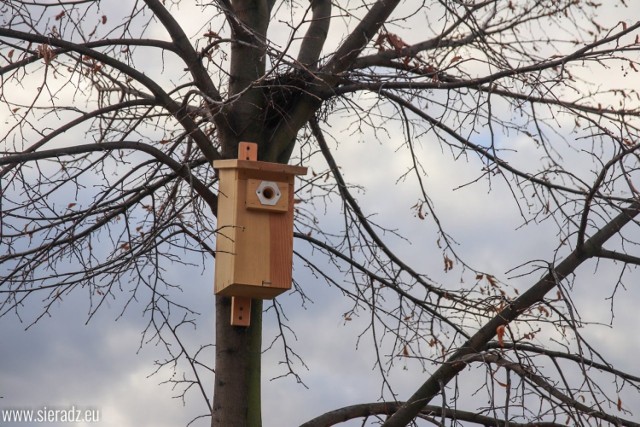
(180, 169)
(316, 34)
(535, 293)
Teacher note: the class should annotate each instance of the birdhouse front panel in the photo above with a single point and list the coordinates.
(254, 248)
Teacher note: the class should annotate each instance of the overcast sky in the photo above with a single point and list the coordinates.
(63, 361)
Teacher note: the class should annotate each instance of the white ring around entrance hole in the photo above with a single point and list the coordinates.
(268, 193)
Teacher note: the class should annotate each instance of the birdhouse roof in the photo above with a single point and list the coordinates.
(259, 166)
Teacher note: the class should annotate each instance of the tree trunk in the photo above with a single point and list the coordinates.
(236, 400)
(237, 380)
(236, 394)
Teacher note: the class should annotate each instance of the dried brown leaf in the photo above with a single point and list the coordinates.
(500, 333)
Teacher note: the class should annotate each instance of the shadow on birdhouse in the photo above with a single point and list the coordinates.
(254, 246)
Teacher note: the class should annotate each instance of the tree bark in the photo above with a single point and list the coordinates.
(236, 400)
(314, 39)
(247, 64)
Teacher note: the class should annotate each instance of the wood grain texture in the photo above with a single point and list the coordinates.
(240, 311)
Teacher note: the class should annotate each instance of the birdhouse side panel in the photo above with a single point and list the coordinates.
(281, 250)
(227, 229)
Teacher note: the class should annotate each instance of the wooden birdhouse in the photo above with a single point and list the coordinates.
(254, 246)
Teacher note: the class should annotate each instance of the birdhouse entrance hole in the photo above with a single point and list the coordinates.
(268, 193)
